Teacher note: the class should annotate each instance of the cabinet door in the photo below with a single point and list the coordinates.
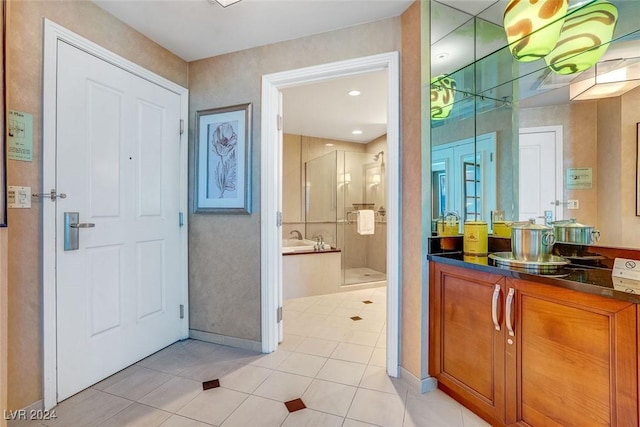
(466, 349)
(575, 359)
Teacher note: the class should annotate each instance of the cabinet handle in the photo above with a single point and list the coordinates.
(494, 307)
(509, 311)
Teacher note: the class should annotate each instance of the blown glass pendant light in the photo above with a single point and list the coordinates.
(533, 27)
(584, 38)
(442, 96)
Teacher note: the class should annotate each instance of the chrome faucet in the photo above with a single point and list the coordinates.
(299, 235)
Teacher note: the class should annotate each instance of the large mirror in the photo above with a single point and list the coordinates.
(515, 144)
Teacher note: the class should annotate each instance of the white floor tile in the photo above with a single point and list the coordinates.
(348, 422)
(257, 412)
(283, 386)
(326, 396)
(310, 418)
(137, 415)
(352, 353)
(376, 378)
(178, 421)
(469, 419)
(291, 342)
(317, 347)
(379, 357)
(272, 360)
(302, 364)
(213, 406)
(432, 411)
(343, 372)
(88, 408)
(362, 338)
(246, 378)
(139, 383)
(173, 395)
(376, 407)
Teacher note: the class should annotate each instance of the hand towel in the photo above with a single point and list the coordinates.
(366, 222)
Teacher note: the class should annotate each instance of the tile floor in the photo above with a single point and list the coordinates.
(333, 363)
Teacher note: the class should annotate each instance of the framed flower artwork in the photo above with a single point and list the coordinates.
(223, 160)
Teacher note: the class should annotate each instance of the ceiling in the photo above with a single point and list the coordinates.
(197, 29)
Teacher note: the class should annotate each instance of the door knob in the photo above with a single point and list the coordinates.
(82, 225)
(72, 230)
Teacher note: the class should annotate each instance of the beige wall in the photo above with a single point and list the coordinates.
(224, 254)
(4, 320)
(24, 91)
(414, 280)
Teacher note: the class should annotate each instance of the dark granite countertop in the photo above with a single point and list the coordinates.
(592, 280)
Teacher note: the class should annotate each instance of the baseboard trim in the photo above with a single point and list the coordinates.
(226, 340)
(420, 385)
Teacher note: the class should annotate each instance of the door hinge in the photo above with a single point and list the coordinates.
(181, 126)
(279, 314)
(180, 219)
(279, 122)
(278, 219)
(182, 311)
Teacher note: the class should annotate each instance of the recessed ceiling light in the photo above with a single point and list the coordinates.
(438, 57)
(354, 92)
(356, 132)
(328, 144)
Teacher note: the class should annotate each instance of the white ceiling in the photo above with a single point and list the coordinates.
(197, 29)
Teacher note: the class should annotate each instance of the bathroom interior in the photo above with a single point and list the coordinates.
(334, 186)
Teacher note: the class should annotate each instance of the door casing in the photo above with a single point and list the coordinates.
(52, 35)
(271, 153)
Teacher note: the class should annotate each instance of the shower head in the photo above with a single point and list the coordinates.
(377, 156)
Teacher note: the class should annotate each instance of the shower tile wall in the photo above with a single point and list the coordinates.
(297, 149)
(367, 251)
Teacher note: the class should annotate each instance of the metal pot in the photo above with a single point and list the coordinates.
(531, 242)
(571, 231)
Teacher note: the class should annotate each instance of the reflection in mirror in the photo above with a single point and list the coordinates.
(554, 158)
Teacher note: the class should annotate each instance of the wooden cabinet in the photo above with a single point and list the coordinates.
(467, 351)
(574, 358)
(560, 357)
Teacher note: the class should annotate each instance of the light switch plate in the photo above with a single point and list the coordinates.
(18, 197)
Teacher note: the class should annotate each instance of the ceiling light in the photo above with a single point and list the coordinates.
(533, 27)
(608, 78)
(354, 92)
(442, 96)
(224, 3)
(328, 144)
(584, 38)
(356, 132)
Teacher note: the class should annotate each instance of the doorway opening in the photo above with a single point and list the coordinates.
(272, 197)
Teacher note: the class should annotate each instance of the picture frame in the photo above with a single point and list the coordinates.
(223, 160)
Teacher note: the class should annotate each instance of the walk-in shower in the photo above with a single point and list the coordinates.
(338, 185)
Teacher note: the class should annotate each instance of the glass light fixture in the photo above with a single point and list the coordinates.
(533, 27)
(584, 38)
(607, 79)
(442, 96)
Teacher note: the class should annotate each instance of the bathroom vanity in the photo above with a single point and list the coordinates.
(534, 350)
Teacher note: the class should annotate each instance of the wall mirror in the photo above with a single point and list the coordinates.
(514, 141)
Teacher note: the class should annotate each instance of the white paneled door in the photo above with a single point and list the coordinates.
(540, 166)
(118, 163)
